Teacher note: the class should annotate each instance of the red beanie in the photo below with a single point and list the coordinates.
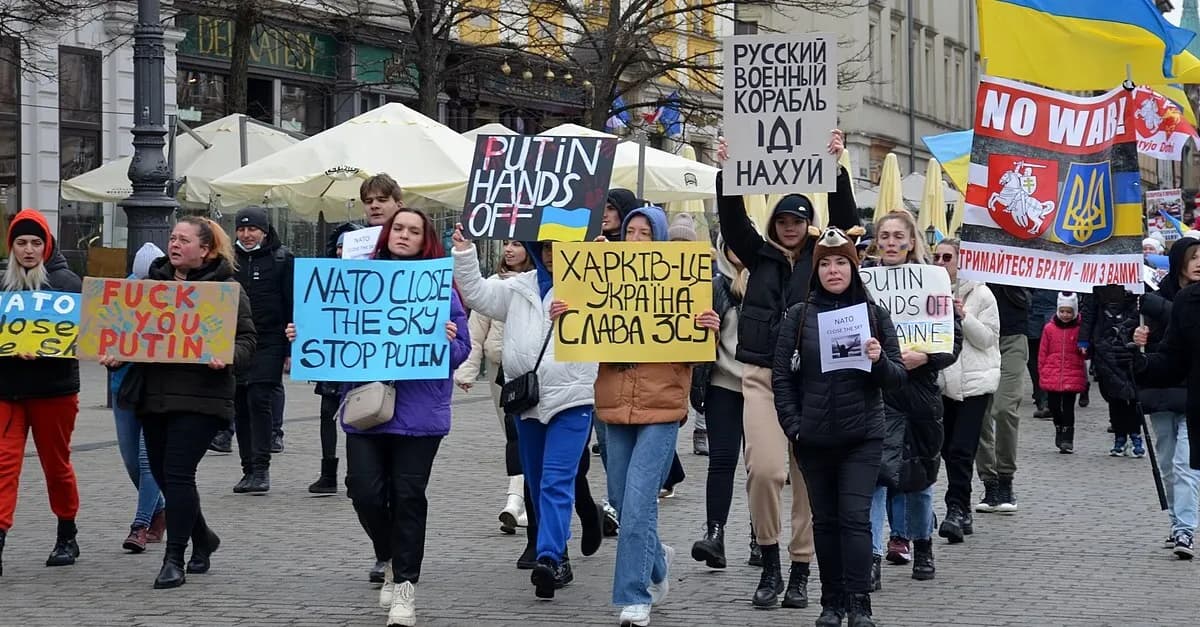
(31, 222)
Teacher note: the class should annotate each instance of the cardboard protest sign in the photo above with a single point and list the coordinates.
(39, 323)
(360, 244)
(780, 106)
(1054, 197)
(159, 321)
(1164, 208)
(371, 320)
(843, 335)
(538, 188)
(920, 300)
(633, 302)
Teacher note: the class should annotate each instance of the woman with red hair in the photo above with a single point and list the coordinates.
(39, 394)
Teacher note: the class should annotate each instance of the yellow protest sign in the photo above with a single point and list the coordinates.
(633, 302)
(39, 323)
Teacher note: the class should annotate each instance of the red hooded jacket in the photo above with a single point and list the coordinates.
(1061, 366)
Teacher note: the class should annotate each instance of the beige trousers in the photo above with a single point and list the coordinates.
(769, 460)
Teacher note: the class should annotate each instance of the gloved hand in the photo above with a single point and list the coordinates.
(1084, 347)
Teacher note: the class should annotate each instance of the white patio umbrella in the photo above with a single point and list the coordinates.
(495, 128)
(325, 171)
(196, 163)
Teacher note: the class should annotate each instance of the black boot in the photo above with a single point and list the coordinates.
(260, 481)
(923, 560)
(858, 607)
(202, 549)
(951, 527)
(592, 524)
(1006, 497)
(243, 486)
(833, 610)
(327, 482)
(1066, 444)
(797, 587)
(378, 572)
(65, 548)
(755, 550)
(171, 574)
(528, 558)
(545, 578)
(876, 573)
(770, 585)
(711, 548)
(968, 523)
(1058, 434)
(991, 497)
(3, 535)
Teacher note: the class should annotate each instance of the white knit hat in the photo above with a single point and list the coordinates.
(1068, 299)
(1153, 241)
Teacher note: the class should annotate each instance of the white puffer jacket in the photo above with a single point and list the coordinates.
(977, 370)
(526, 316)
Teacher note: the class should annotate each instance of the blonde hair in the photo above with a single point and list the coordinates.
(214, 237)
(17, 278)
(919, 253)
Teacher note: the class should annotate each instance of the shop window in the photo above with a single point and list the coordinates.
(201, 96)
(302, 108)
(79, 105)
(10, 137)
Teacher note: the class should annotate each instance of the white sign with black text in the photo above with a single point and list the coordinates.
(360, 244)
(843, 338)
(780, 106)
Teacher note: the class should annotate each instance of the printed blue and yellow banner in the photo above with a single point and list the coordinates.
(538, 188)
(45, 324)
(1054, 196)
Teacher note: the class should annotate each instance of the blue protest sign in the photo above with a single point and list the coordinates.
(366, 320)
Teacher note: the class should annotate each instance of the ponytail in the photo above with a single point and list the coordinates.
(215, 238)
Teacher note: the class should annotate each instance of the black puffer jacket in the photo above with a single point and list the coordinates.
(46, 377)
(1108, 329)
(912, 445)
(837, 408)
(776, 281)
(1156, 308)
(196, 388)
(1013, 303)
(265, 274)
(1178, 359)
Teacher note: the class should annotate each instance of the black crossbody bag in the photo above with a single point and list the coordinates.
(521, 394)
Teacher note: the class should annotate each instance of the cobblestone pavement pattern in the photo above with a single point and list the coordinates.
(1084, 549)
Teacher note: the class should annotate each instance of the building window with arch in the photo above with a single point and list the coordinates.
(10, 136)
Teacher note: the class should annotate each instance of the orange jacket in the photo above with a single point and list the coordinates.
(642, 394)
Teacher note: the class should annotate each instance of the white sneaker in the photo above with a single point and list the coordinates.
(403, 612)
(658, 591)
(638, 615)
(388, 589)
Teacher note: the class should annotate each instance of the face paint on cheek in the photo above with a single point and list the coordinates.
(903, 247)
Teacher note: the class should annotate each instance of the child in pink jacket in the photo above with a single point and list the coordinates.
(1061, 369)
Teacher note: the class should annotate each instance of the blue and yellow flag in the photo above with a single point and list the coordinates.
(953, 151)
(1078, 45)
(563, 225)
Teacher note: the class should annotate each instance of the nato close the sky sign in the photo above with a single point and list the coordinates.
(780, 106)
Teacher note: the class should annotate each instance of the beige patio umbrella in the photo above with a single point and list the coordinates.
(956, 220)
(495, 128)
(890, 196)
(820, 200)
(208, 152)
(932, 198)
(325, 171)
(695, 207)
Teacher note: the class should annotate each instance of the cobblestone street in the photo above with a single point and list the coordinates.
(1084, 549)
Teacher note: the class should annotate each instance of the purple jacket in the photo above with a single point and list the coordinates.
(423, 406)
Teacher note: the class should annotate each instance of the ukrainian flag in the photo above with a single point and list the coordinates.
(564, 225)
(1076, 45)
(953, 151)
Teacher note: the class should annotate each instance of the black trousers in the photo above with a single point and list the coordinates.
(512, 452)
(1062, 407)
(175, 444)
(841, 481)
(1039, 396)
(253, 411)
(723, 409)
(278, 401)
(386, 477)
(963, 421)
(1124, 417)
(675, 475)
(329, 425)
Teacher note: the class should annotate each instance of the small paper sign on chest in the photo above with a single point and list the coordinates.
(633, 302)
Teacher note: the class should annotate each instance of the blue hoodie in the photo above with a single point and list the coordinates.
(657, 218)
(544, 277)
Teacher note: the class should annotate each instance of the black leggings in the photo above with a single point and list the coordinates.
(512, 451)
(723, 409)
(175, 444)
(329, 425)
(963, 422)
(1062, 408)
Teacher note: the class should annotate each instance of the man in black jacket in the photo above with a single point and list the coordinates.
(780, 266)
(996, 460)
(265, 269)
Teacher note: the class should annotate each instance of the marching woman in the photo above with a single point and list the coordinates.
(487, 338)
(642, 406)
(39, 394)
(834, 420)
(967, 386)
(388, 466)
(182, 406)
(913, 442)
(552, 433)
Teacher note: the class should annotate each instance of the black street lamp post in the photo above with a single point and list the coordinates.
(149, 210)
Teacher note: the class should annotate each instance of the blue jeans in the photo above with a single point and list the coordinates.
(133, 454)
(909, 514)
(550, 456)
(639, 457)
(1181, 482)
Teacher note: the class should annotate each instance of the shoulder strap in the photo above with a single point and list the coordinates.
(803, 318)
(545, 343)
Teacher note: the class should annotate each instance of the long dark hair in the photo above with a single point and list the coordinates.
(431, 244)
